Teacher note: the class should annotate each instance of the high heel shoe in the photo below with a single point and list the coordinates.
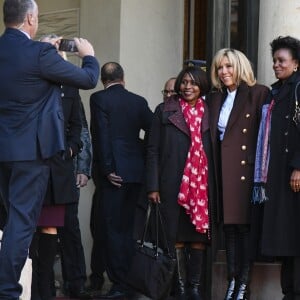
(242, 293)
(230, 290)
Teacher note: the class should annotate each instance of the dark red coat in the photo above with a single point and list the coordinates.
(234, 158)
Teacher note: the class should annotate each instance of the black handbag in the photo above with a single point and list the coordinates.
(151, 269)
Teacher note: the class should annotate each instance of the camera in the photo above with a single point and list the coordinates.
(67, 45)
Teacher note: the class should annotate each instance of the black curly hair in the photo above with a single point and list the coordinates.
(286, 42)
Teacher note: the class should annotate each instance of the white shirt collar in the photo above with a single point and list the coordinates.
(25, 34)
(112, 84)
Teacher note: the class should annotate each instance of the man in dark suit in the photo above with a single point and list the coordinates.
(31, 127)
(117, 116)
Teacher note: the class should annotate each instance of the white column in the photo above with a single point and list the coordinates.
(277, 18)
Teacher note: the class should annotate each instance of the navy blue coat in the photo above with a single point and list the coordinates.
(117, 116)
(31, 116)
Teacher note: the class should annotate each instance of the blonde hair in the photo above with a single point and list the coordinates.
(242, 69)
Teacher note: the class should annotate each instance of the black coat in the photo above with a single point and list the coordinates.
(168, 146)
(62, 183)
(281, 216)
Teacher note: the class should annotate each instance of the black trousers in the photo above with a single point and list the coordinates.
(118, 215)
(96, 226)
(237, 238)
(290, 277)
(72, 253)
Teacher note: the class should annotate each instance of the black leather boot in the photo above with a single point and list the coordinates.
(230, 244)
(180, 280)
(244, 263)
(33, 254)
(46, 252)
(195, 268)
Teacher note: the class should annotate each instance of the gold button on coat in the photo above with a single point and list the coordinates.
(247, 115)
(243, 162)
(244, 147)
(245, 130)
(243, 178)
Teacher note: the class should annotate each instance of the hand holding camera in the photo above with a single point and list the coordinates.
(82, 46)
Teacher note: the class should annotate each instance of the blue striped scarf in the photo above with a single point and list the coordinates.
(262, 155)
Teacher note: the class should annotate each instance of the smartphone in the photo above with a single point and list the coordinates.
(67, 45)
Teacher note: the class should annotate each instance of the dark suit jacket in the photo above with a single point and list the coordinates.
(117, 116)
(31, 116)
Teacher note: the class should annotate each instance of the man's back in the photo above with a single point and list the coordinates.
(117, 118)
(31, 127)
(31, 116)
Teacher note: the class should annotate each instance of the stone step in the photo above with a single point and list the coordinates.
(264, 285)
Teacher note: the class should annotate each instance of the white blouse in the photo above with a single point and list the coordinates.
(225, 112)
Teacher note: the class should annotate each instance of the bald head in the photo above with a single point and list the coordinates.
(168, 90)
(112, 72)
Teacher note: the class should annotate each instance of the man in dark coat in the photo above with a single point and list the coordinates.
(117, 116)
(31, 127)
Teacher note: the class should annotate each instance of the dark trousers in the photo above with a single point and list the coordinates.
(22, 187)
(237, 238)
(290, 277)
(72, 253)
(119, 210)
(96, 226)
(98, 235)
(3, 215)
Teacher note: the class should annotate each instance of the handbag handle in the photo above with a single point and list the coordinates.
(158, 219)
(148, 214)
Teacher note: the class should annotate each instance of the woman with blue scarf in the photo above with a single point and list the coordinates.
(277, 166)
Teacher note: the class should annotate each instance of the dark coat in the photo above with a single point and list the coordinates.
(83, 160)
(31, 117)
(281, 220)
(117, 117)
(234, 157)
(168, 146)
(62, 183)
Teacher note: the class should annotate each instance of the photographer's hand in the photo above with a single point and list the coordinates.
(84, 47)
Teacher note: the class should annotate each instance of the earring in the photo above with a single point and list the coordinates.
(295, 69)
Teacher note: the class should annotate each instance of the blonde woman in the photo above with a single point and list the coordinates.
(235, 104)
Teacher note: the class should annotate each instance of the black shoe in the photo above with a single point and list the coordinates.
(81, 294)
(112, 294)
(96, 284)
